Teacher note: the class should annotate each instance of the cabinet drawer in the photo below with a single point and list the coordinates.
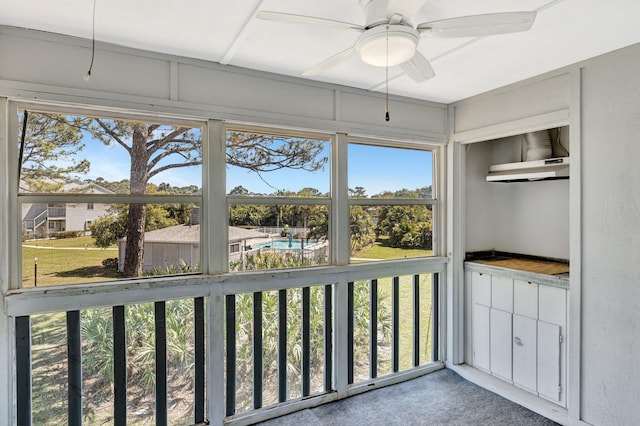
(525, 298)
(481, 288)
(502, 293)
(552, 305)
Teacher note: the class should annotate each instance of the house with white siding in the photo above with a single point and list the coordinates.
(44, 219)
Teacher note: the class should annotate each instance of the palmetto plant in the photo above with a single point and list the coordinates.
(97, 337)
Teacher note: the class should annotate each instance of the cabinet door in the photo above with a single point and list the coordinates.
(501, 349)
(481, 288)
(480, 331)
(502, 293)
(549, 361)
(552, 305)
(525, 352)
(525, 298)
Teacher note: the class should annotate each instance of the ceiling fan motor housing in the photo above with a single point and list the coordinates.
(373, 49)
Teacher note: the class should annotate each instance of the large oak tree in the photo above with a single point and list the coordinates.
(153, 149)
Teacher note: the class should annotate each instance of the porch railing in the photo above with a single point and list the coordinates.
(261, 347)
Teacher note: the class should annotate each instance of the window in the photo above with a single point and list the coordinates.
(278, 193)
(278, 198)
(141, 182)
(390, 202)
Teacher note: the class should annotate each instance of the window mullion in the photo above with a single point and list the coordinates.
(340, 201)
(215, 214)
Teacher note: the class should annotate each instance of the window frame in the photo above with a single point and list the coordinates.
(15, 269)
(214, 211)
(434, 201)
(232, 200)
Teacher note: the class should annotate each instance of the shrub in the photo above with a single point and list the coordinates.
(67, 234)
(110, 263)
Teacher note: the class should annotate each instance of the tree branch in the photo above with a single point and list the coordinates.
(173, 166)
(113, 134)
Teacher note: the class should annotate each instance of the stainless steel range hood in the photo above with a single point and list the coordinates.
(552, 168)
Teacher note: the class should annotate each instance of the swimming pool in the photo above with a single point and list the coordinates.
(284, 244)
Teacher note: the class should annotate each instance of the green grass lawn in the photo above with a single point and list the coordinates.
(80, 242)
(380, 250)
(65, 261)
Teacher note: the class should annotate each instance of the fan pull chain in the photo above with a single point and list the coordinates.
(93, 43)
(386, 107)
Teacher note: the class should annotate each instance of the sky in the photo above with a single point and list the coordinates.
(375, 168)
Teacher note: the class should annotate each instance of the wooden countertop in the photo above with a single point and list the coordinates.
(527, 265)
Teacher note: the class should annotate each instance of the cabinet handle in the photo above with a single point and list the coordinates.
(518, 341)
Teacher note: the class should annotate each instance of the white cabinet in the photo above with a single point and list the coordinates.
(525, 356)
(481, 288)
(501, 351)
(481, 302)
(480, 332)
(525, 298)
(549, 379)
(502, 293)
(517, 330)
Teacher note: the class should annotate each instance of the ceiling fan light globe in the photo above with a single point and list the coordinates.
(402, 42)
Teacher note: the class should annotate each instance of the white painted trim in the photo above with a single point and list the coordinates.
(113, 113)
(455, 296)
(515, 127)
(217, 211)
(5, 196)
(107, 198)
(62, 299)
(340, 200)
(14, 218)
(8, 256)
(574, 346)
(105, 101)
(293, 132)
(30, 301)
(173, 76)
(394, 201)
(294, 201)
(340, 338)
(519, 396)
(394, 379)
(7, 368)
(215, 400)
(395, 142)
(282, 409)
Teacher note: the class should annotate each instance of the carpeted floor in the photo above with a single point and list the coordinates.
(440, 398)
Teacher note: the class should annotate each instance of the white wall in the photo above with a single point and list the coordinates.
(520, 217)
(44, 66)
(608, 280)
(611, 239)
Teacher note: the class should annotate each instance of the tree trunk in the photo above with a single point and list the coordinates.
(134, 249)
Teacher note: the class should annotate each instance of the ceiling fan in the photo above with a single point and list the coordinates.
(389, 38)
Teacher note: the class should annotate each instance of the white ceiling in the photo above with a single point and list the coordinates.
(226, 31)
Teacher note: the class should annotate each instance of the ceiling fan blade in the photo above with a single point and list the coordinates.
(479, 25)
(418, 68)
(310, 20)
(330, 62)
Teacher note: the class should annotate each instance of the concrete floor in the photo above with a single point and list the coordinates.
(440, 398)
